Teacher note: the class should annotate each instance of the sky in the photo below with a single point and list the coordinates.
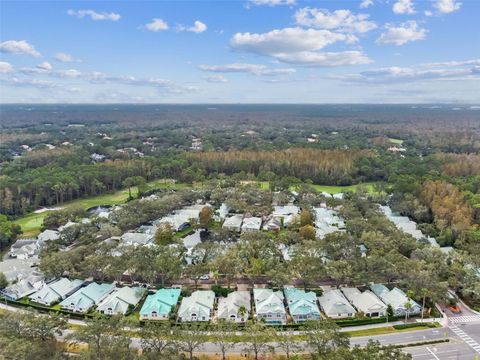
(240, 51)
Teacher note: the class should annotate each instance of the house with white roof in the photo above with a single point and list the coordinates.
(48, 235)
(24, 248)
(335, 305)
(197, 307)
(223, 211)
(367, 302)
(302, 305)
(24, 287)
(56, 291)
(269, 306)
(160, 305)
(85, 298)
(272, 224)
(233, 223)
(235, 307)
(287, 214)
(251, 224)
(133, 238)
(121, 300)
(397, 299)
(177, 222)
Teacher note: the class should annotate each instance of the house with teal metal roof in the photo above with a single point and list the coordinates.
(86, 297)
(302, 304)
(159, 305)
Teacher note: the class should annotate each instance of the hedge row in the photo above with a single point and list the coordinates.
(413, 325)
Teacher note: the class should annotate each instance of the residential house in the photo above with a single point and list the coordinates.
(121, 300)
(159, 305)
(233, 223)
(177, 222)
(269, 306)
(235, 307)
(133, 238)
(56, 291)
(367, 302)
(251, 224)
(302, 305)
(67, 225)
(24, 287)
(287, 214)
(24, 249)
(48, 235)
(223, 211)
(272, 224)
(85, 298)
(197, 307)
(397, 299)
(335, 305)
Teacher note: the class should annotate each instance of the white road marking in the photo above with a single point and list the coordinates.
(433, 354)
(464, 319)
(466, 338)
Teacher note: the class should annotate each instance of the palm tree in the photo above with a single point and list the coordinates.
(242, 311)
(424, 292)
(408, 306)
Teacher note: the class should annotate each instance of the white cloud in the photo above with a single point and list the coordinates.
(366, 3)
(326, 59)
(6, 67)
(430, 71)
(447, 6)
(157, 25)
(340, 20)
(18, 47)
(217, 78)
(403, 7)
(428, 13)
(253, 69)
(70, 73)
(64, 57)
(198, 27)
(157, 83)
(45, 66)
(300, 46)
(272, 2)
(96, 16)
(399, 35)
(287, 40)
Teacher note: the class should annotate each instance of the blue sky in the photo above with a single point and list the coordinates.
(248, 51)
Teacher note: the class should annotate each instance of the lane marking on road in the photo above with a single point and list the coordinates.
(466, 338)
(433, 354)
(464, 319)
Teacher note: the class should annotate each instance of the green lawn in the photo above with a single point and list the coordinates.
(395, 141)
(32, 223)
(386, 330)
